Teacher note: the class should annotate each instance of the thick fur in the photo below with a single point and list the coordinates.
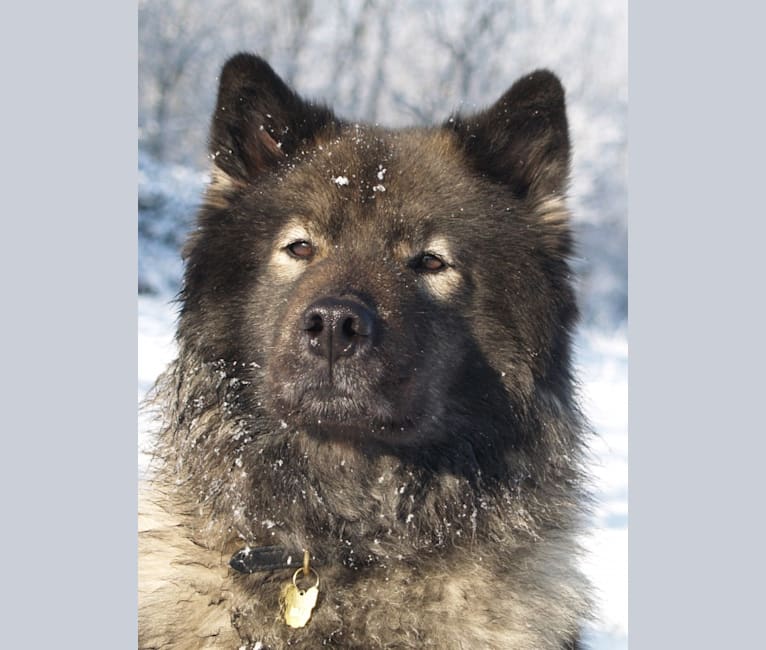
(435, 470)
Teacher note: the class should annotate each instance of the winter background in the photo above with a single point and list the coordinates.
(410, 62)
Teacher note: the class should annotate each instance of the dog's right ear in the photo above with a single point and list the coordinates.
(523, 139)
(258, 120)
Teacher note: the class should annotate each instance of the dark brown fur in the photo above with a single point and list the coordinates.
(435, 474)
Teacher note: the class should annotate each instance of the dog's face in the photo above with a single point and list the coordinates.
(367, 281)
(362, 285)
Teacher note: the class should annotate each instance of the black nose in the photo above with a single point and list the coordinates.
(339, 327)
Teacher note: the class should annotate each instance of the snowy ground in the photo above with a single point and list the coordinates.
(603, 365)
(603, 370)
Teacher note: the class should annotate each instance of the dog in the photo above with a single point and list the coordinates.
(370, 437)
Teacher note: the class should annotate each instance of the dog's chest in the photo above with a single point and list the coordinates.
(354, 609)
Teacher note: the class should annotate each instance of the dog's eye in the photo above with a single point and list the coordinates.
(430, 263)
(301, 249)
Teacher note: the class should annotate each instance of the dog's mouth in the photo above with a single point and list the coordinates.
(332, 405)
(348, 407)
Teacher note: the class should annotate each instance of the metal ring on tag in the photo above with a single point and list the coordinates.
(300, 570)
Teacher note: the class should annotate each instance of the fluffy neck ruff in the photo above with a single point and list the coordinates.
(242, 477)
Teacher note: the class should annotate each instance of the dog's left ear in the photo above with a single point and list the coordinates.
(259, 120)
(523, 139)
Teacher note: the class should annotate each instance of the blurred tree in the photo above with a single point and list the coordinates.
(175, 37)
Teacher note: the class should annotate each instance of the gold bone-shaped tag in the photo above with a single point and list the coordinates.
(298, 604)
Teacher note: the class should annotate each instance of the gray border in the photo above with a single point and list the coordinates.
(69, 261)
(696, 325)
(69, 325)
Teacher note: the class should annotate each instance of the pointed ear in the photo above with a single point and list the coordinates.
(258, 119)
(522, 140)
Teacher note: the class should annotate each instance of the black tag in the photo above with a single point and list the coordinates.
(265, 558)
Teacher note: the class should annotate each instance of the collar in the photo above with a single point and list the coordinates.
(266, 558)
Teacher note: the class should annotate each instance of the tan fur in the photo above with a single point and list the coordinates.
(183, 581)
(220, 187)
(187, 596)
(553, 210)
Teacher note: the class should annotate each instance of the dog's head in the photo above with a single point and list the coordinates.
(378, 284)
